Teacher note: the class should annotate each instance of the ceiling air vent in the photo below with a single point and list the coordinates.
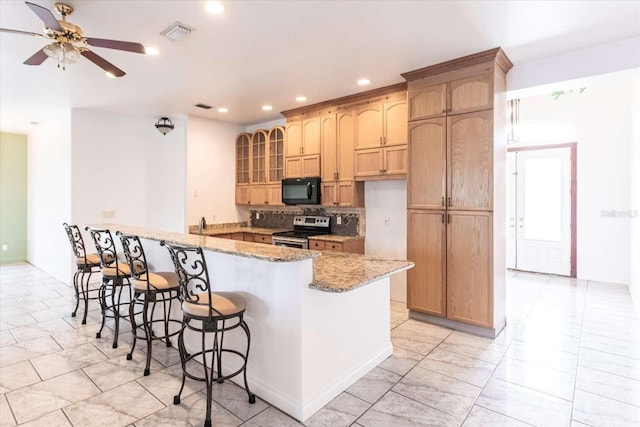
(176, 31)
(203, 106)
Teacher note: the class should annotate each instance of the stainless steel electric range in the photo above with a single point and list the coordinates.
(303, 227)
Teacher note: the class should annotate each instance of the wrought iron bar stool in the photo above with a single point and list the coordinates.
(149, 288)
(86, 264)
(207, 312)
(115, 278)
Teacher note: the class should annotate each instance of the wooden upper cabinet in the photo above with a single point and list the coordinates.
(242, 194)
(426, 185)
(293, 139)
(302, 166)
(243, 144)
(329, 157)
(395, 123)
(470, 161)
(394, 160)
(257, 194)
(430, 101)
(311, 136)
(276, 155)
(369, 127)
(469, 275)
(274, 194)
(258, 156)
(426, 282)
(369, 162)
(471, 94)
(346, 146)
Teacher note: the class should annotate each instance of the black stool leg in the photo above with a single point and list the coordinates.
(116, 311)
(132, 317)
(183, 361)
(208, 377)
(75, 286)
(252, 397)
(102, 296)
(147, 332)
(85, 295)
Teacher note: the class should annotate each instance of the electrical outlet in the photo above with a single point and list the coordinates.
(338, 219)
(257, 215)
(108, 214)
(5, 247)
(387, 222)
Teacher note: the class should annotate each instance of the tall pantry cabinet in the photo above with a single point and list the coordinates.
(456, 192)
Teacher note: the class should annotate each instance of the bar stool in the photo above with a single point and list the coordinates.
(148, 288)
(86, 264)
(115, 278)
(206, 312)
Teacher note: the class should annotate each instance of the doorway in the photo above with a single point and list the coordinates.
(541, 198)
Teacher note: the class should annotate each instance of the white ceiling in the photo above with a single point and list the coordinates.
(270, 51)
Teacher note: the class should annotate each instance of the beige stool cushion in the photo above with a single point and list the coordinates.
(90, 259)
(124, 269)
(227, 303)
(160, 281)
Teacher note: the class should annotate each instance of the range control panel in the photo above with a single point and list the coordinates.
(311, 221)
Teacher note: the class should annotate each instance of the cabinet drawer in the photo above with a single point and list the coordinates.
(317, 245)
(333, 246)
(237, 236)
(261, 238)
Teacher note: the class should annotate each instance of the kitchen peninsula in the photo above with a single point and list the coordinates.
(319, 320)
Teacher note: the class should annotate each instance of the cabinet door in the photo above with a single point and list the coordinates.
(350, 193)
(258, 156)
(274, 194)
(471, 94)
(242, 194)
(293, 140)
(311, 136)
(368, 162)
(329, 148)
(395, 123)
(469, 275)
(426, 183)
(328, 193)
(262, 238)
(426, 246)
(310, 165)
(276, 154)
(369, 129)
(470, 161)
(257, 194)
(333, 246)
(243, 144)
(293, 167)
(429, 101)
(346, 145)
(395, 160)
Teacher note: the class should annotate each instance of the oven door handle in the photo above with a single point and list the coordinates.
(308, 190)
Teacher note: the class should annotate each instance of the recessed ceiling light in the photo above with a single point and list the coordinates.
(151, 50)
(363, 82)
(301, 98)
(110, 75)
(214, 7)
(223, 110)
(267, 108)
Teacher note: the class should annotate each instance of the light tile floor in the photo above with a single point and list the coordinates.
(570, 356)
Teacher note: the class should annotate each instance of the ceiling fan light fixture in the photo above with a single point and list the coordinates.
(52, 50)
(150, 50)
(110, 75)
(164, 125)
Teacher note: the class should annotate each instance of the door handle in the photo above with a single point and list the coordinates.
(442, 202)
(308, 190)
(448, 219)
(449, 201)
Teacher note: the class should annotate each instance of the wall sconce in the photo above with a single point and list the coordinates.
(164, 125)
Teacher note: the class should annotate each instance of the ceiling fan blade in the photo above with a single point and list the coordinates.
(103, 63)
(116, 44)
(37, 58)
(26, 33)
(46, 15)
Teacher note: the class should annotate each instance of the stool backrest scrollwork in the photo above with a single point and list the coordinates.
(134, 254)
(193, 275)
(77, 243)
(105, 246)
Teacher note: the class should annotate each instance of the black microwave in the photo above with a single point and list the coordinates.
(301, 191)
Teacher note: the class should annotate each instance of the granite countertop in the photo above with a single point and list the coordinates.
(240, 229)
(343, 272)
(227, 246)
(335, 238)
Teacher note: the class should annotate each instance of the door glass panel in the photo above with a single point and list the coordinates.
(543, 199)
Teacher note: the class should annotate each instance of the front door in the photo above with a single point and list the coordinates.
(542, 220)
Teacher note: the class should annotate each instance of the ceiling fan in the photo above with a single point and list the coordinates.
(68, 41)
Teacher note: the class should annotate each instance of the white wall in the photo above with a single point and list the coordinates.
(386, 227)
(599, 120)
(124, 165)
(211, 172)
(49, 195)
(634, 284)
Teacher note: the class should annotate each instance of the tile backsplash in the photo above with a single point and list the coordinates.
(352, 219)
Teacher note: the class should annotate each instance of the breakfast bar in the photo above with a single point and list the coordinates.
(319, 321)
